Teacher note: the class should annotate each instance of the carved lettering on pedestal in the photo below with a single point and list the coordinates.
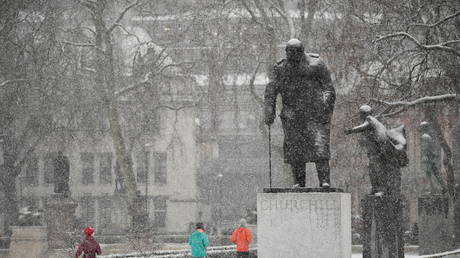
(320, 215)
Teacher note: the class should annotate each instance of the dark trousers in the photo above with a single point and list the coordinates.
(322, 168)
(242, 254)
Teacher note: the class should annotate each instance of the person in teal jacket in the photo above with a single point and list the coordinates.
(199, 241)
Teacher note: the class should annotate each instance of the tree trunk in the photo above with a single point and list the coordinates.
(11, 201)
(105, 82)
(307, 22)
(121, 153)
(447, 151)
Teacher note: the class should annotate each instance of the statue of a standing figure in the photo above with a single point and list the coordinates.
(61, 174)
(430, 157)
(386, 151)
(305, 85)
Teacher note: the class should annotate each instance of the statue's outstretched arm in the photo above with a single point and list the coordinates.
(359, 129)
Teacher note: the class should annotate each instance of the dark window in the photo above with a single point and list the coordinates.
(31, 172)
(87, 205)
(159, 211)
(105, 168)
(87, 167)
(142, 166)
(160, 168)
(105, 213)
(48, 167)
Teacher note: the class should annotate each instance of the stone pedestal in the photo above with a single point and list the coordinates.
(60, 219)
(303, 223)
(28, 241)
(436, 225)
(382, 229)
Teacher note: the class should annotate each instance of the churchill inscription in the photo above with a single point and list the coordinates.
(298, 223)
(320, 214)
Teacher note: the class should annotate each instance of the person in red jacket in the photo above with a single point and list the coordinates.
(242, 237)
(88, 246)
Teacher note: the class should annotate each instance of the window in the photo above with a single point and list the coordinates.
(105, 168)
(87, 204)
(159, 211)
(105, 213)
(48, 167)
(160, 168)
(87, 167)
(31, 175)
(142, 166)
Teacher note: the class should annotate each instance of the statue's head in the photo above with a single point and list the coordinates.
(365, 111)
(424, 126)
(294, 51)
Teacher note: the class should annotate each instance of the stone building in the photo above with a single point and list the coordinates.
(165, 165)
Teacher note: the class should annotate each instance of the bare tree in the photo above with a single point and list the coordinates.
(425, 50)
(31, 66)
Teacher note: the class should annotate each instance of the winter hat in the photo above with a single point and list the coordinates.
(199, 225)
(89, 231)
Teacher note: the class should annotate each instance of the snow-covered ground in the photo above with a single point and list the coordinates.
(405, 255)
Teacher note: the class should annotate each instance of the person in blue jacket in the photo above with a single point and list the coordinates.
(199, 241)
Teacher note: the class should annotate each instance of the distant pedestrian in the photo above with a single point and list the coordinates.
(89, 247)
(242, 237)
(199, 241)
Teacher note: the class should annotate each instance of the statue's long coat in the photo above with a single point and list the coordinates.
(308, 102)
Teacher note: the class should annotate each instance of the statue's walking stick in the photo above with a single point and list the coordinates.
(270, 155)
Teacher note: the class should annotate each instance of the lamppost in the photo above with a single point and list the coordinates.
(146, 177)
(219, 205)
(146, 146)
(2, 136)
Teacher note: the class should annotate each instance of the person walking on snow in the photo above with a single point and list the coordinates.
(198, 241)
(242, 237)
(89, 247)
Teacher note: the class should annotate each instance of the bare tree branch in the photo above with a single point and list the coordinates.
(264, 15)
(440, 46)
(90, 5)
(391, 114)
(12, 81)
(128, 32)
(175, 108)
(122, 14)
(251, 13)
(252, 87)
(451, 42)
(77, 44)
(134, 86)
(423, 100)
(292, 32)
(88, 69)
(438, 22)
(147, 77)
